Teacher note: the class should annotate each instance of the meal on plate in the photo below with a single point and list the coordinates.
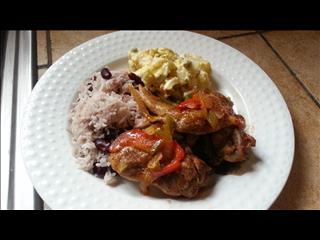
(160, 123)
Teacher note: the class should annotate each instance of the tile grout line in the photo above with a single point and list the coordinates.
(240, 35)
(49, 53)
(49, 49)
(42, 66)
(315, 100)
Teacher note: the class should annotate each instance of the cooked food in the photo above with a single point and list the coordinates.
(102, 110)
(160, 124)
(170, 75)
(203, 113)
(229, 144)
(154, 161)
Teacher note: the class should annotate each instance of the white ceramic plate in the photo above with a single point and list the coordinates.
(47, 150)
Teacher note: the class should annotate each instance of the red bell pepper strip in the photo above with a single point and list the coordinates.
(141, 140)
(175, 164)
(136, 138)
(192, 103)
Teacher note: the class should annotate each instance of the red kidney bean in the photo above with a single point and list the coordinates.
(100, 171)
(106, 74)
(137, 80)
(102, 144)
(111, 134)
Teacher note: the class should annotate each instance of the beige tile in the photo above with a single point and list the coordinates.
(301, 51)
(41, 72)
(222, 33)
(302, 190)
(63, 41)
(42, 47)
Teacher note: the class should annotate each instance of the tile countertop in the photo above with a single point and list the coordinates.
(290, 58)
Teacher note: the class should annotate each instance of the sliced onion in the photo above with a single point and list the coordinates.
(212, 119)
(142, 107)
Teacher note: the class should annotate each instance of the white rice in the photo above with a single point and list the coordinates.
(100, 104)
